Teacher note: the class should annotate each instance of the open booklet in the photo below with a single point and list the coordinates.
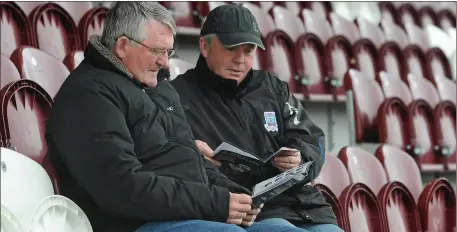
(235, 159)
(267, 189)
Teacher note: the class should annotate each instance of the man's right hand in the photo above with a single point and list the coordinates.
(240, 205)
(207, 152)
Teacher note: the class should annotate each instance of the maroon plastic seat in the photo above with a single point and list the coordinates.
(8, 72)
(28, 6)
(184, 14)
(393, 117)
(40, 67)
(367, 98)
(427, 15)
(323, 9)
(397, 204)
(52, 21)
(388, 11)
(407, 14)
(436, 202)
(75, 9)
(15, 27)
(91, 24)
(309, 56)
(73, 59)
(446, 19)
(332, 180)
(436, 122)
(23, 122)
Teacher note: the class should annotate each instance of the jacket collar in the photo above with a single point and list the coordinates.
(222, 85)
(99, 56)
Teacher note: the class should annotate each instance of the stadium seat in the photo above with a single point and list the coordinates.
(295, 7)
(407, 14)
(73, 59)
(309, 55)
(388, 12)
(8, 72)
(23, 122)
(287, 22)
(426, 16)
(178, 67)
(446, 19)
(436, 202)
(446, 89)
(393, 118)
(75, 9)
(28, 6)
(40, 67)
(24, 185)
(52, 21)
(332, 180)
(15, 28)
(322, 9)
(91, 24)
(366, 97)
(203, 8)
(369, 11)
(183, 13)
(434, 131)
(397, 204)
(345, 10)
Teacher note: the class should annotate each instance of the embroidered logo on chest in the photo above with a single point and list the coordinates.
(270, 121)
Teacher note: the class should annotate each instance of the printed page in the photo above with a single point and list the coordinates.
(231, 148)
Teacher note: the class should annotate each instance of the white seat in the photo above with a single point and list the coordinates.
(10, 223)
(24, 184)
(178, 67)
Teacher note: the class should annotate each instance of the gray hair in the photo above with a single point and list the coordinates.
(130, 19)
(209, 38)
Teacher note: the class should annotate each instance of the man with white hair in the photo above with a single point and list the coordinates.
(122, 147)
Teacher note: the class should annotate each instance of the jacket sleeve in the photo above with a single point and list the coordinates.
(300, 132)
(93, 138)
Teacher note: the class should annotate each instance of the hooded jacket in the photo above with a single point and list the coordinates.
(124, 152)
(260, 115)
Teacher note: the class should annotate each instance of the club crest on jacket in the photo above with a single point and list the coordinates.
(270, 121)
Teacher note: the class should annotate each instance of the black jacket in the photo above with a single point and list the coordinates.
(125, 153)
(218, 110)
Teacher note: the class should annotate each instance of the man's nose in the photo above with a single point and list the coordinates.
(163, 61)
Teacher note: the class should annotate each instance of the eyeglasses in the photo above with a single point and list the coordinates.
(156, 51)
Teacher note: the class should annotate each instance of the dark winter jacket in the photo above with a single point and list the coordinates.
(125, 153)
(260, 115)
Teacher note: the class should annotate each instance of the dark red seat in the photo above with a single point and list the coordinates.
(322, 9)
(91, 24)
(75, 9)
(407, 14)
(427, 15)
(73, 59)
(366, 97)
(446, 19)
(398, 207)
(15, 27)
(332, 180)
(28, 6)
(184, 13)
(309, 56)
(388, 11)
(40, 67)
(52, 21)
(436, 202)
(8, 72)
(437, 121)
(25, 107)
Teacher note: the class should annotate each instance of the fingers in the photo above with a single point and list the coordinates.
(287, 159)
(213, 161)
(248, 220)
(204, 148)
(286, 166)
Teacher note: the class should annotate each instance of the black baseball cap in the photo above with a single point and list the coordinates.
(234, 25)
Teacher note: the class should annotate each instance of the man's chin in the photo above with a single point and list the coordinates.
(151, 82)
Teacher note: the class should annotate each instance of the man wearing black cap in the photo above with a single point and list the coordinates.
(225, 100)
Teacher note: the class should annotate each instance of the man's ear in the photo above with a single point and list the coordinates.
(204, 49)
(121, 47)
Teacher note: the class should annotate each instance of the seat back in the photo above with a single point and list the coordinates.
(401, 167)
(287, 22)
(344, 10)
(333, 175)
(75, 9)
(407, 14)
(369, 11)
(178, 67)
(446, 19)
(422, 89)
(15, 28)
(393, 87)
(8, 72)
(52, 21)
(363, 168)
(388, 12)
(446, 89)
(24, 184)
(264, 21)
(316, 24)
(73, 59)
(91, 24)
(182, 12)
(27, 7)
(36, 65)
(393, 32)
(427, 16)
(371, 31)
(417, 36)
(367, 97)
(344, 27)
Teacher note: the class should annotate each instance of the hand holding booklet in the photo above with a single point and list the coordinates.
(239, 161)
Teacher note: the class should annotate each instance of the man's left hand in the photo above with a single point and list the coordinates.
(287, 160)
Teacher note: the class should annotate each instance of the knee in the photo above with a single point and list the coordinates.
(230, 228)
